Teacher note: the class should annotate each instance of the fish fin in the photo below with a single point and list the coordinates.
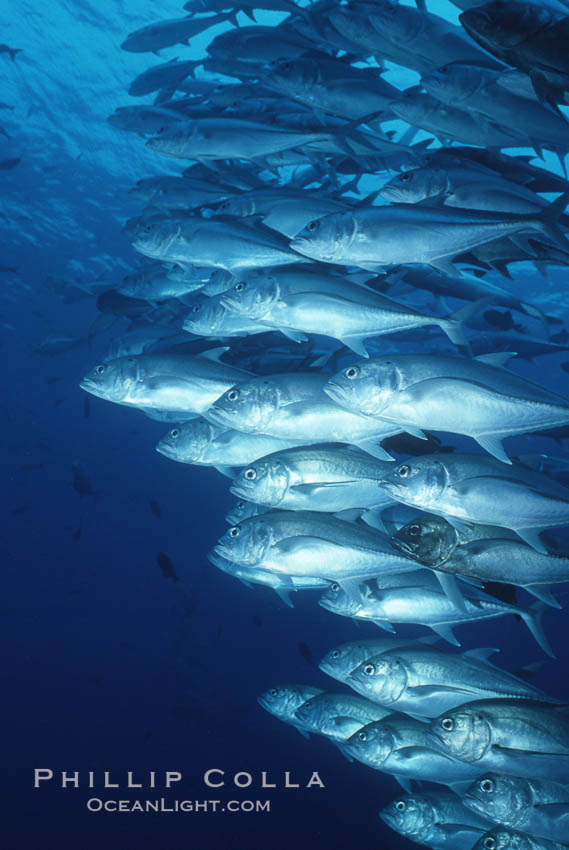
(295, 336)
(284, 596)
(356, 344)
(349, 515)
(497, 358)
(457, 524)
(445, 631)
(460, 788)
(532, 538)
(384, 624)
(214, 353)
(451, 590)
(404, 782)
(374, 448)
(481, 654)
(493, 446)
(543, 592)
(228, 471)
(523, 243)
(415, 432)
(245, 582)
(372, 267)
(303, 732)
(352, 588)
(532, 618)
(373, 519)
(446, 266)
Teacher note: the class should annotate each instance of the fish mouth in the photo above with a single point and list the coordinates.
(435, 740)
(264, 703)
(403, 546)
(222, 551)
(327, 604)
(389, 819)
(218, 415)
(302, 246)
(231, 303)
(336, 391)
(241, 491)
(168, 451)
(392, 487)
(91, 387)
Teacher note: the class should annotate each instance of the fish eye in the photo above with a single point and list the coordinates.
(234, 531)
(233, 395)
(239, 287)
(448, 724)
(336, 653)
(487, 786)
(196, 308)
(352, 372)
(147, 228)
(404, 470)
(405, 177)
(100, 369)
(174, 433)
(400, 805)
(273, 692)
(312, 226)
(369, 669)
(362, 736)
(414, 530)
(489, 843)
(334, 587)
(250, 474)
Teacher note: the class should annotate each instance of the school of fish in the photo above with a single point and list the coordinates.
(287, 325)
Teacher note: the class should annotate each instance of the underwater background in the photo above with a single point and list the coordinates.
(108, 663)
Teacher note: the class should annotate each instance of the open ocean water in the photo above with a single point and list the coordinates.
(124, 648)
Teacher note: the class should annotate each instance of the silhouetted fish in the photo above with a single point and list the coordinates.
(305, 651)
(166, 566)
(81, 483)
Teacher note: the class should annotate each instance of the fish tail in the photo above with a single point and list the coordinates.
(533, 620)
(549, 222)
(453, 324)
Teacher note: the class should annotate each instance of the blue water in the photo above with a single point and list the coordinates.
(107, 665)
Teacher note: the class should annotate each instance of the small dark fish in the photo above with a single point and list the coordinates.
(561, 337)
(4, 133)
(502, 320)
(86, 407)
(58, 401)
(407, 444)
(155, 508)
(503, 592)
(257, 621)
(81, 483)
(305, 651)
(20, 509)
(52, 379)
(12, 269)
(78, 531)
(6, 106)
(528, 672)
(166, 566)
(7, 164)
(30, 467)
(12, 51)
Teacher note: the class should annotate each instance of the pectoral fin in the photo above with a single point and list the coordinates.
(493, 446)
